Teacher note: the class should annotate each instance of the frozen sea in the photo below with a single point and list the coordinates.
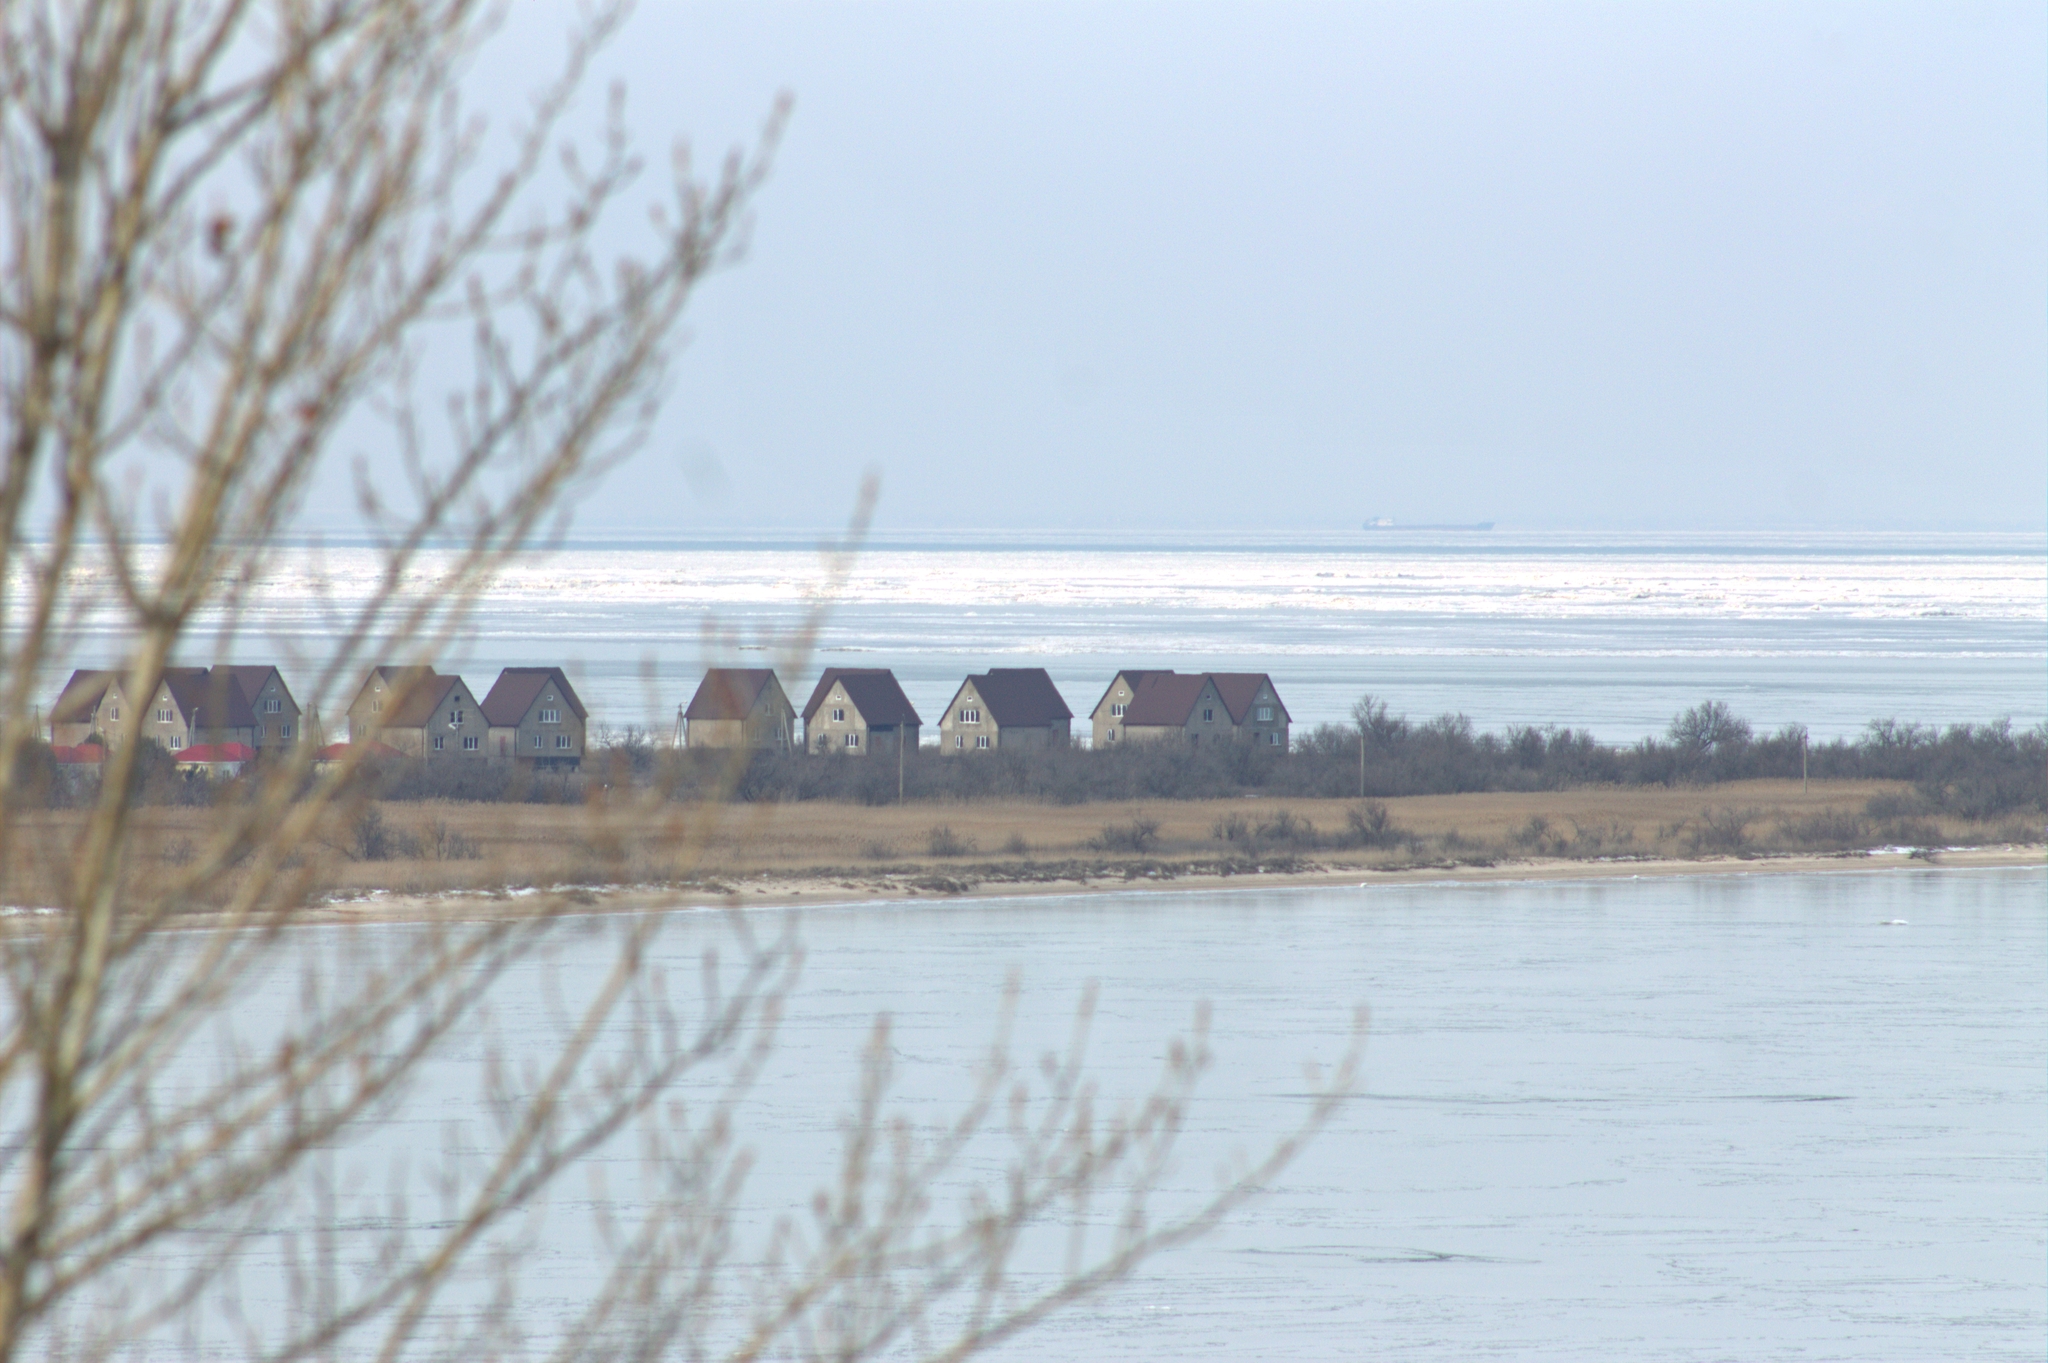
(1613, 633)
(1739, 1117)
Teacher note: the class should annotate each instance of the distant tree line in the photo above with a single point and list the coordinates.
(1971, 771)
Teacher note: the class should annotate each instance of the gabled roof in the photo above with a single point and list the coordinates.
(419, 690)
(873, 691)
(730, 692)
(1165, 698)
(1240, 689)
(513, 694)
(81, 695)
(1133, 675)
(1021, 695)
(250, 678)
(210, 697)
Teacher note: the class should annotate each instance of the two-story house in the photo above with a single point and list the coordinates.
(740, 707)
(1240, 707)
(1108, 718)
(88, 709)
(1006, 707)
(273, 713)
(419, 712)
(535, 719)
(860, 710)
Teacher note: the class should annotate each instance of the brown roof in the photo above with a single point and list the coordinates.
(1240, 689)
(1021, 695)
(873, 691)
(1133, 675)
(417, 691)
(210, 697)
(1165, 698)
(81, 695)
(513, 694)
(729, 692)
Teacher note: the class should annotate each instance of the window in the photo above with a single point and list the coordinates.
(114, 714)
(470, 743)
(959, 741)
(1265, 712)
(562, 742)
(1116, 711)
(536, 742)
(163, 714)
(176, 743)
(437, 742)
(284, 731)
(455, 719)
(853, 740)
(839, 716)
(551, 716)
(377, 706)
(1275, 736)
(981, 740)
(971, 715)
(1208, 716)
(1112, 735)
(273, 706)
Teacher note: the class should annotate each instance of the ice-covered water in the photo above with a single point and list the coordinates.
(1740, 1117)
(1612, 632)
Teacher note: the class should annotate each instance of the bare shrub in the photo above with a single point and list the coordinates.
(451, 844)
(876, 850)
(1368, 824)
(1138, 834)
(1831, 830)
(942, 841)
(1721, 830)
(1016, 846)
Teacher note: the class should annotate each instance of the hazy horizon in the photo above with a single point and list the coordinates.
(1230, 269)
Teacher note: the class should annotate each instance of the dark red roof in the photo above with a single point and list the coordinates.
(81, 695)
(416, 692)
(1165, 698)
(1240, 689)
(85, 754)
(1021, 695)
(729, 692)
(516, 689)
(873, 691)
(1133, 675)
(210, 697)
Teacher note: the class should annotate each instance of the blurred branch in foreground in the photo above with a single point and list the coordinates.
(237, 235)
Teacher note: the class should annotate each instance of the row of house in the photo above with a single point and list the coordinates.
(864, 710)
(220, 717)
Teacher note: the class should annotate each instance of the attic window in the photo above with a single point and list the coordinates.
(551, 716)
(839, 716)
(273, 706)
(455, 719)
(1208, 716)
(970, 715)
(1116, 711)
(114, 713)
(163, 714)
(1265, 712)
(377, 706)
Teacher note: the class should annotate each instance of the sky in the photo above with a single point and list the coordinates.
(1288, 266)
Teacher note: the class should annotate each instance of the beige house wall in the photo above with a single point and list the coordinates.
(365, 724)
(770, 724)
(960, 736)
(105, 719)
(823, 733)
(1108, 720)
(279, 727)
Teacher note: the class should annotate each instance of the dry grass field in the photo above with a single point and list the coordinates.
(430, 847)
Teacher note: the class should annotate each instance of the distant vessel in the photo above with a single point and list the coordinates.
(1389, 523)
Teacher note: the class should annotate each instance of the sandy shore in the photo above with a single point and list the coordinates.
(778, 890)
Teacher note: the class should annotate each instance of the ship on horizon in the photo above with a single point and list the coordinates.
(1389, 523)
